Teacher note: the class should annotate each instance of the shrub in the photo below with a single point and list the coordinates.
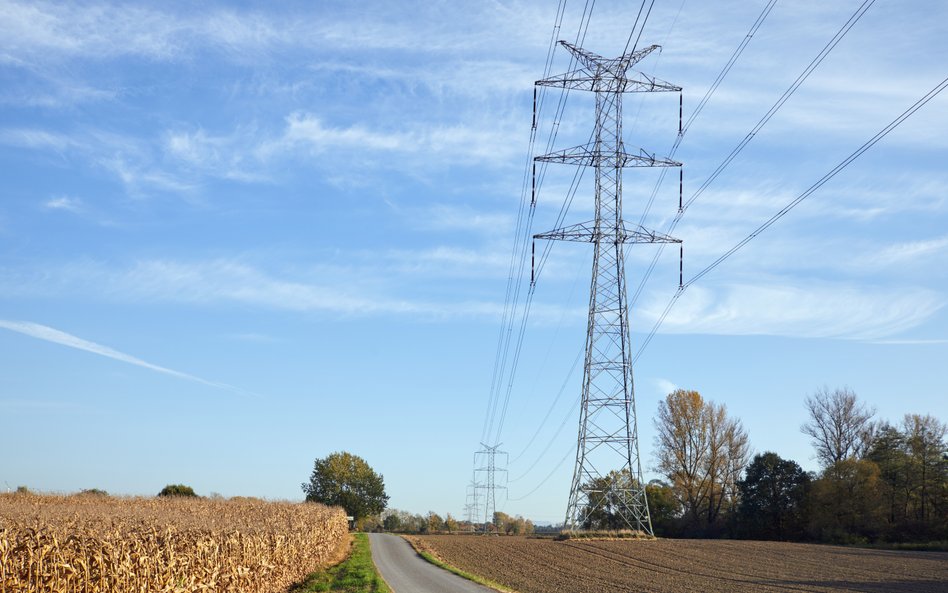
(177, 490)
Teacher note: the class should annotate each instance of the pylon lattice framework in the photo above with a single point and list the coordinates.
(488, 458)
(607, 479)
(471, 506)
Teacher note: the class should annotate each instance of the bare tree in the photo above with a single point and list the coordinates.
(702, 452)
(839, 425)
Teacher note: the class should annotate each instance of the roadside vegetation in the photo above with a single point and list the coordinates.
(355, 574)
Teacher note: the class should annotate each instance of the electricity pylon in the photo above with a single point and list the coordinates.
(471, 506)
(488, 458)
(608, 474)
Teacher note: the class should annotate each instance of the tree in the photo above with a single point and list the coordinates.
(508, 525)
(434, 522)
(701, 451)
(773, 498)
(888, 451)
(346, 480)
(392, 522)
(847, 504)
(664, 508)
(177, 490)
(927, 468)
(608, 496)
(839, 425)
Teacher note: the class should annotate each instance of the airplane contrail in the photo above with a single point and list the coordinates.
(50, 334)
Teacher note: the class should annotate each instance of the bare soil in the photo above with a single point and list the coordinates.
(530, 565)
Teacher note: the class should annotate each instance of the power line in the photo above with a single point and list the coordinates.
(783, 211)
(784, 97)
(738, 51)
(507, 332)
(831, 44)
(569, 453)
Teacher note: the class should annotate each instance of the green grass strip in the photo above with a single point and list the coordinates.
(355, 574)
(471, 577)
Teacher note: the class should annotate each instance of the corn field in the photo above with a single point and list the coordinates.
(88, 543)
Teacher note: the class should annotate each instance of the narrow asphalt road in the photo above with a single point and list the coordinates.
(407, 572)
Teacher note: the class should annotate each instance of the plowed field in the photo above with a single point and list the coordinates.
(686, 566)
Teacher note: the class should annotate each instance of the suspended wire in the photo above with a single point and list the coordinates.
(580, 38)
(522, 229)
(569, 414)
(540, 372)
(833, 42)
(559, 464)
(704, 101)
(783, 211)
(636, 26)
(784, 97)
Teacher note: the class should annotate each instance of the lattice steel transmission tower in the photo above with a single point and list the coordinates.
(607, 478)
(488, 458)
(471, 506)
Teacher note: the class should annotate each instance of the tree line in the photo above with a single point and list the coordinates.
(399, 521)
(878, 481)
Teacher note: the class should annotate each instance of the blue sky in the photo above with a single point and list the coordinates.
(239, 237)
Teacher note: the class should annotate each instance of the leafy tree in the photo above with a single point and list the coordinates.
(702, 452)
(450, 523)
(346, 480)
(392, 522)
(840, 426)
(773, 498)
(888, 451)
(928, 471)
(847, 504)
(608, 496)
(434, 523)
(508, 525)
(177, 490)
(664, 508)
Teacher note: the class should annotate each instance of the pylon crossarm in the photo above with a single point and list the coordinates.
(616, 66)
(588, 155)
(586, 232)
(581, 80)
(633, 57)
(585, 57)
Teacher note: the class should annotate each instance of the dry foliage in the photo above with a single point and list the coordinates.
(64, 544)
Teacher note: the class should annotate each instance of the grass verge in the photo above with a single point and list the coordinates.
(603, 535)
(431, 557)
(355, 574)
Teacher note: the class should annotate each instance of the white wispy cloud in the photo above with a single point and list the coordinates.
(418, 143)
(67, 203)
(38, 139)
(665, 386)
(49, 334)
(912, 251)
(818, 310)
(443, 217)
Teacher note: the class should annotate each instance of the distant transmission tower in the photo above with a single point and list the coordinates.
(488, 466)
(471, 507)
(608, 474)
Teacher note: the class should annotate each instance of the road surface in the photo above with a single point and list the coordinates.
(407, 572)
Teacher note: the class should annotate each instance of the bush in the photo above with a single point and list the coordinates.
(177, 490)
(93, 492)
